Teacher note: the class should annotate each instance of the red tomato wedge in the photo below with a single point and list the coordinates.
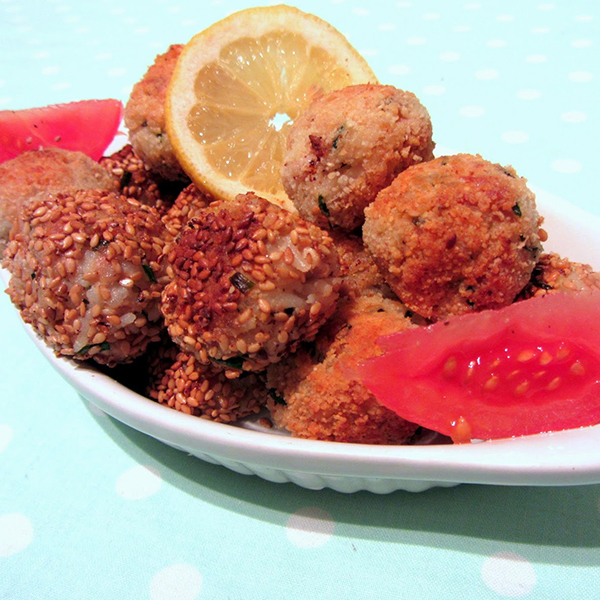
(88, 126)
(531, 367)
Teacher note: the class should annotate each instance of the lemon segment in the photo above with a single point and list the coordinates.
(240, 83)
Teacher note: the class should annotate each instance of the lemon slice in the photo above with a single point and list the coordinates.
(240, 83)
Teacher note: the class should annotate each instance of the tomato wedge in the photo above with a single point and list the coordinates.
(88, 126)
(531, 367)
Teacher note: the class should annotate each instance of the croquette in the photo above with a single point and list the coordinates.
(179, 381)
(553, 273)
(145, 117)
(134, 180)
(87, 274)
(455, 235)
(36, 173)
(313, 395)
(350, 144)
(188, 204)
(250, 280)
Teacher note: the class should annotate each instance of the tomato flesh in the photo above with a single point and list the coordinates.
(88, 126)
(529, 368)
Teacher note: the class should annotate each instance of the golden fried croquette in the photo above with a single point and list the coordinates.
(358, 272)
(553, 273)
(145, 117)
(312, 395)
(87, 271)
(37, 173)
(134, 180)
(179, 381)
(347, 146)
(455, 235)
(188, 204)
(250, 281)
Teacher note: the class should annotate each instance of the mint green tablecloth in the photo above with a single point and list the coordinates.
(90, 509)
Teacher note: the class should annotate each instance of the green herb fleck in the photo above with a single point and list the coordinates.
(235, 362)
(104, 347)
(517, 210)
(149, 273)
(277, 398)
(322, 206)
(241, 282)
(336, 139)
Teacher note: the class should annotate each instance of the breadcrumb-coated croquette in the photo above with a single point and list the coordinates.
(144, 117)
(553, 274)
(347, 146)
(134, 180)
(37, 173)
(87, 273)
(179, 381)
(312, 395)
(455, 235)
(250, 280)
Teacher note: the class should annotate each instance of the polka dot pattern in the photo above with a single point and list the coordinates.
(83, 494)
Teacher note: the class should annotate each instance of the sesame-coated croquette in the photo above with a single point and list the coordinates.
(134, 180)
(313, 396)
(347, 146)
(37, 173)
(87, 274)
(553, 274)
(144, 117)
(250, 280)
(187, 205)
(455, 235)
(179, 381)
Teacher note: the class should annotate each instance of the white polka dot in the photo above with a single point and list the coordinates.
(584, 18)
(399, 70)
(515, 137)
(462, 28)
(540, 30)
(508, 574)
(61, 85)
(536, 58)
(528, 94)
(50, 70)
(176, 582)
(580, 76)
(6, 435)
(472, 111)
(5, 100)
(486, 74)
(41, 55)
(16, 533)
(309, 527)
(369, 52)
(117, 72)
(449, 56)
(473, 6)
(546, 6)
(574, 116)
(138, 482)
(403, 4)
(387, 26)
(434, 90)
(415, 41)
(567, 166)
(103, 56)
(505, 18)
(496, 43)
(582, 43)
(361, 12)
(431, 16)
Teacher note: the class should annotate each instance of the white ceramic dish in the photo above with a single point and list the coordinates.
(560, 458)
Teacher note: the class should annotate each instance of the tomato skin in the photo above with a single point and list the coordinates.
(528, 368)
(88, 126)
